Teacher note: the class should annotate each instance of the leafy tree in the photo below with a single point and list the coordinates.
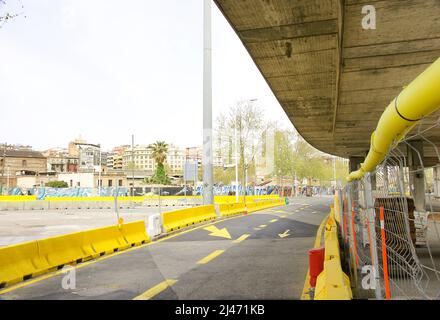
(283, 153)
(57, 184)
(159, 153)
(268, 143)
(246, 123)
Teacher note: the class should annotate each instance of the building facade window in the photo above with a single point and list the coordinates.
(110, 182)
(120, 182)
(24, 163)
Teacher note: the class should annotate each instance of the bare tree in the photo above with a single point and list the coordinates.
(246, 120)
(10, 10)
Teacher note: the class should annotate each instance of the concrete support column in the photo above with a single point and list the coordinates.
(417, 175)
(355, 163)
(436, 178)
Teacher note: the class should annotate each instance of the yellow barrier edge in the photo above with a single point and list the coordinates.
(332, 283)
(305, 293)
(49, 267)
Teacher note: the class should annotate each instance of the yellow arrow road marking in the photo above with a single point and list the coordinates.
(216, 232)
(284, 216)
(150, 293)
(285, 234)
(262, 226)
(210, 257)
(242, 238)
(257, 228)
(273, 220)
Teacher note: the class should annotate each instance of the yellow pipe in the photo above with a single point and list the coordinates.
(419, 99)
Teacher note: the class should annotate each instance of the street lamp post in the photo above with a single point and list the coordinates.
(208, 195)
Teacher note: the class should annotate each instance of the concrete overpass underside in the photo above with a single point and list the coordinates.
(332, 77)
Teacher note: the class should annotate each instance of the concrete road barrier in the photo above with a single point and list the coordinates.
(177, 219)
(135, 233)
(229, 209)
(20, 262)
(332, 283)
(26, 260)
(106, 240)
(61, 250)
(154, 225)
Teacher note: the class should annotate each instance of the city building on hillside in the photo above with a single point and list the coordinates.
(13, 162)
(59, 160)
(140, 158)
(175, 160)
(89, 154)
(114, 158)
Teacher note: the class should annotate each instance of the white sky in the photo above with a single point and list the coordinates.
(106, 69)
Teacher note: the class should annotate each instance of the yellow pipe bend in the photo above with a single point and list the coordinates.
(419, 99)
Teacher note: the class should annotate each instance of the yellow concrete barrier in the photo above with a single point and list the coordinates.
(332, 283)
(252, 206)
(177, 219)
(61, 250)
(97, 199)
(305, 293)
(26, 260)
(20, 261)
(229, 209)
(232, 199)
(264, 204)
(105, 240)
(18, 198)
(135, 233)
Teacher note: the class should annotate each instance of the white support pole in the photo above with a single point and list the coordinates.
(208, 194)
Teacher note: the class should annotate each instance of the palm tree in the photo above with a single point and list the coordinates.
(159, 153)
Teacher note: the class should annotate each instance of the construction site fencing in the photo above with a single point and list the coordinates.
(390, 231)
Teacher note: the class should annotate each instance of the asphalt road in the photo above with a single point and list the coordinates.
(265, 258)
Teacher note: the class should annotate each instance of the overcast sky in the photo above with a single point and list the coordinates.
(105, 69)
